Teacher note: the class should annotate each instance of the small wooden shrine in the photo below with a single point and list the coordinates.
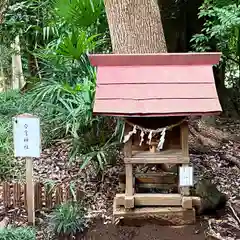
(154, 94)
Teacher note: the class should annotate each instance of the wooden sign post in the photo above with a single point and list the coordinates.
(27, 144)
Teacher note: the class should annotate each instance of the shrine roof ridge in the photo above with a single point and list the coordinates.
(147, 59)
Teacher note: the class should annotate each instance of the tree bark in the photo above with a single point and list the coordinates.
(2, 78)
(135, 26)
(3, 6)
(17, 70)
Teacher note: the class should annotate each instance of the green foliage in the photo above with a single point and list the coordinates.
(19, 233)
(23, 17)
(68, 81)
(70, 113)
(75, 45)
(70, 107)
(101, 145)
(68, 219)
(5, 61)
(221, 32)
(80, 13)
(221, 28)
(60, 34)
(5, 56)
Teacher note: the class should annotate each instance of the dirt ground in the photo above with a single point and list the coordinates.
(147, 232)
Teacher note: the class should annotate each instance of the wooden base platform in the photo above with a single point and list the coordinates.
(142, 199)
(176, 216)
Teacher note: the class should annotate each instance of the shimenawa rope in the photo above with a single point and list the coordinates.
(151, 133)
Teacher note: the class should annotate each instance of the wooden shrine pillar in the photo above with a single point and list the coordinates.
(185, 150)
(129, 191)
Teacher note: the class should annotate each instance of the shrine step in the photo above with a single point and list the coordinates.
(156, 199)
(158, 215)
(168, 156)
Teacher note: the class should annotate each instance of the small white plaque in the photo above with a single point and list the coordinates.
(26, 136)
(186, 176)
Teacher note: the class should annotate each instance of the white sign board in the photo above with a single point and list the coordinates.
(27, 138)
(186, 176)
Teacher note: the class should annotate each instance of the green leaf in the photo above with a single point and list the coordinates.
(73, 191)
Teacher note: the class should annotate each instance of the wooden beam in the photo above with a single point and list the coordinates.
(152, 178)
(146, 181)
(146, 187)
(187, 203)
(184, 139)
(172, 156)
(128, 144)
(158, 215)
(30, 191)
(6, 195)
(185, 150)
(129, 199)
(158, 160)
(169, 153)
(147, 199)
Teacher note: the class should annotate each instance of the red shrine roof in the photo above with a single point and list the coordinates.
(167, 84)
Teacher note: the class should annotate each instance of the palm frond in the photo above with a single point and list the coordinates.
(81, 13)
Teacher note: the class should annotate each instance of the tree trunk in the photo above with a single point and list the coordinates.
(17, 71)
(2, 78)
(135, 26)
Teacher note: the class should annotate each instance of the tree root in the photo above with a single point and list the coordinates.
(235, 213)
(4, 222)
(230, 158)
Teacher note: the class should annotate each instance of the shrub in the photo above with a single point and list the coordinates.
(19, 233)
(68, 219)
(70, 113)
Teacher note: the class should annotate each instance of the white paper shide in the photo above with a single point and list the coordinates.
(27, 137)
